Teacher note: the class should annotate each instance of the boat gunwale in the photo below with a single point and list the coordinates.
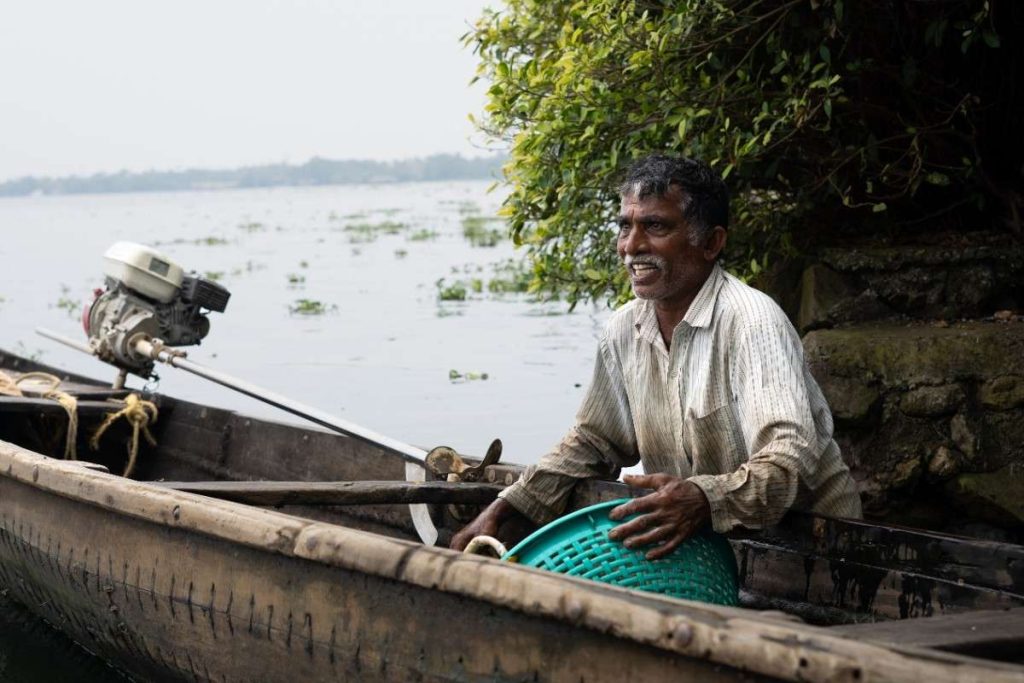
(729, 636)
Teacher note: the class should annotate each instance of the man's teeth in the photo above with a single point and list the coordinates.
(643, 267)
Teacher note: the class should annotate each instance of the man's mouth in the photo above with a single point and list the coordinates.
(643, 272)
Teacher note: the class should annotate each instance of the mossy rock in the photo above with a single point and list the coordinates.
(917, 355)
(995, 497)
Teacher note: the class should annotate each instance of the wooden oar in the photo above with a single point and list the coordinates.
(277, 493)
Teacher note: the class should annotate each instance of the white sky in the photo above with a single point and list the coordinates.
(104, 85)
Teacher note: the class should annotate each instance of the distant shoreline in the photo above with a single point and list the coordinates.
(316, 171)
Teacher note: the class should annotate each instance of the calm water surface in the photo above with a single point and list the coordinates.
(381, 356)
(383, 353)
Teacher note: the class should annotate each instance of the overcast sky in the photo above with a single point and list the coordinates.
(104, 85)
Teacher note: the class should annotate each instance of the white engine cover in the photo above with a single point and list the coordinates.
(144, 270)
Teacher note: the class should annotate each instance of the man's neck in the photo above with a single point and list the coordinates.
(670, 312)
(669, 315)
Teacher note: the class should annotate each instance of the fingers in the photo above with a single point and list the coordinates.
(637, 505)
(648, 481)
(630, 528)
(652, 535)
(665, 548)
(461, 540)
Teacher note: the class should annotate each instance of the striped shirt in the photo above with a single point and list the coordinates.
(731, 407)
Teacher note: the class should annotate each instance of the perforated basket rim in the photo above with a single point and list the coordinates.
(552, 526)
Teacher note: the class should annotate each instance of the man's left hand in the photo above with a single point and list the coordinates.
(669, 516)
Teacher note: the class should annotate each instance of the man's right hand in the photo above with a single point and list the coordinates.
(485, 524)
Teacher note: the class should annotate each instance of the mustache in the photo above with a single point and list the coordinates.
(645, 259)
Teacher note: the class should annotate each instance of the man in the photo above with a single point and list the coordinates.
(701, 378)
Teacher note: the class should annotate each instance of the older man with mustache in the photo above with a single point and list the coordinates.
(700, 378)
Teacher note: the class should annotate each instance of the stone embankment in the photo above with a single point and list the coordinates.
(920, 352)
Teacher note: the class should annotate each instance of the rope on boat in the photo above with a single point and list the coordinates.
(12, 386)
(140, 414)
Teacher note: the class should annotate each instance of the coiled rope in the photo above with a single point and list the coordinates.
(22, 385)
(140, 414)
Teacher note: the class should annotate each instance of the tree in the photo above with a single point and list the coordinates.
(826, 120)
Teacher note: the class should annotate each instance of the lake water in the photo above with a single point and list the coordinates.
(384, 353)
(386, 349)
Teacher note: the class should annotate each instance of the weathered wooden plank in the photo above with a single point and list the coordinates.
(989, 633)
(278, 493)
(21, 405)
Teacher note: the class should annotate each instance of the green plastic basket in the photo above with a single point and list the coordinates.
(702, 568)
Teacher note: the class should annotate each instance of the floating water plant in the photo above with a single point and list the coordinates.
(66, 303)
(474, 229)
(422, 235)
(252, 227)
(399, 253)
(295, 279)
(368, 232)
(214, 275)
(311, 307)
(456, 291)
(456, 376)
(510, 277)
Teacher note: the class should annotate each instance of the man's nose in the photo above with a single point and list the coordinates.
(633, 242)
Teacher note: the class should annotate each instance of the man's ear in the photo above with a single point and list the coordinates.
(715, 243)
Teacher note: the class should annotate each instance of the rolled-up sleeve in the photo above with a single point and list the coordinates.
(776, 418)
(601, 442)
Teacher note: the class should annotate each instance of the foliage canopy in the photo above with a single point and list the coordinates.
(823, 117)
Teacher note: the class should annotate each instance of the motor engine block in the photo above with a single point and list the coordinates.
(148, 296)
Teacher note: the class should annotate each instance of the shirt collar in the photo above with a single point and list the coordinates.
(702, 309)
(699, 314)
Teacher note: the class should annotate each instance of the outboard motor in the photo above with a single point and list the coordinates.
(147, 297)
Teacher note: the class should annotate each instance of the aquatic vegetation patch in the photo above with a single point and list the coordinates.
(455, 291)
(422, 235)
(456, 376)
(252, 226)
(294, 279)
(368, 232)
(401, 253)
(66, 303)
(215, 275)
(509, 277)
(475, 229)
(210, 241)
(311, 307)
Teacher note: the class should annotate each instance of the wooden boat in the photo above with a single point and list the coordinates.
(174, 585)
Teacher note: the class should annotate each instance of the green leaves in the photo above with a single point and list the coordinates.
(757, 89)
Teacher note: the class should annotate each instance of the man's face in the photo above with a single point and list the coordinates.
(654, 245)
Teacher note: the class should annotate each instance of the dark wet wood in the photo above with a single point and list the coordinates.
(278, 493)
(997, 634)
(22, 405)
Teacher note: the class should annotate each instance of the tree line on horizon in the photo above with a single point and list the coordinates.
(316, 171)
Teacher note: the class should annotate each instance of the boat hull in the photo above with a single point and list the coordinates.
(165, 602)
